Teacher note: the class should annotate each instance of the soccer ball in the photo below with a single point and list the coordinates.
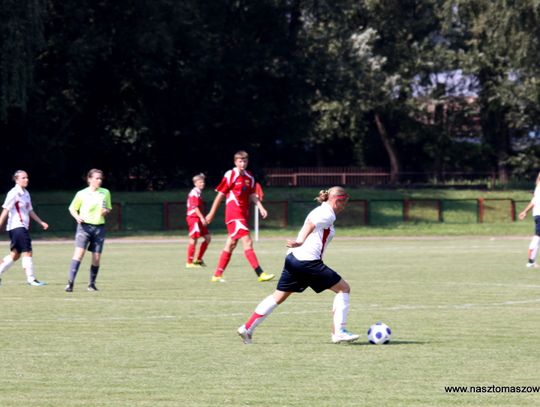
(379, 333)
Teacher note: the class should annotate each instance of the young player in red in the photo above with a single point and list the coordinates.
(197, 224)
(238, 188)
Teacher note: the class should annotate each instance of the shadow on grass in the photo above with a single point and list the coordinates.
(391, 343)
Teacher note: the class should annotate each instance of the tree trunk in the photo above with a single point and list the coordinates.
(390, 150)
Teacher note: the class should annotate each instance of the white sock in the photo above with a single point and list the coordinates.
(340, 310)
(262, 310)
(28, 266)
(533, 247)
(6, 263)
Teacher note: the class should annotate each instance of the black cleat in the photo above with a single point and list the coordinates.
(69, 287)
(92, 287)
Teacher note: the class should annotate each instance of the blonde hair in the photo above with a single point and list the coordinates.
(241, 154)
(325, 195)
(198, 177)
(17, 173)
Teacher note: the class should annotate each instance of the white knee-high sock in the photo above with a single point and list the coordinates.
(340, 310)
(533, 247)
(6, 263)
(28, 266)
(262, 310)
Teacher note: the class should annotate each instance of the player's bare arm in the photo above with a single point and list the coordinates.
(255, 199)
(215, 205)
(302, 236)
(3, 216)
(36, 218)
(523, 214)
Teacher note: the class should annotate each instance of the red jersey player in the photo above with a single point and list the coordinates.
(238, 188)
(197, 224)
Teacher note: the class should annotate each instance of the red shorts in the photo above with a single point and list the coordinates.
(196, 228)
(238, 228)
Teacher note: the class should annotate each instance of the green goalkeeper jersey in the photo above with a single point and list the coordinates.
(89, 204)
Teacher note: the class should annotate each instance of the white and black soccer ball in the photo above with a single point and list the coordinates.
(379, 333)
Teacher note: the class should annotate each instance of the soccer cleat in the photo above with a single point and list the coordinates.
(532, 265)
(344, 336)
(245, 335)
(92, 287)
(69, 287)
(217, 279)
(36, 283)
(265, 277)
(193, 265)
(200, 263)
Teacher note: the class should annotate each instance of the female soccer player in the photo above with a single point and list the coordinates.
(89, 208)
(304, 268)
(18, 210)
(535, 205)
(197, 225)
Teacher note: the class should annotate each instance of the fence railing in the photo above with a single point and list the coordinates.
(353, 176)
(282, 214)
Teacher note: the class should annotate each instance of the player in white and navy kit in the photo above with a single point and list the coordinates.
(18, 210)
(304, 268)
(197, 225)
(535, 241)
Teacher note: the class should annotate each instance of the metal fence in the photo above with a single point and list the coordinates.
(355, 176)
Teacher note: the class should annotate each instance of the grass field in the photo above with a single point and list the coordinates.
(464, 312)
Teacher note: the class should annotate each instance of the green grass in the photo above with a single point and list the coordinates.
(464, 312)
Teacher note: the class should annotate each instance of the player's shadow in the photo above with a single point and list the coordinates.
(391, 343)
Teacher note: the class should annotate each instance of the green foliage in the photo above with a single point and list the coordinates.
(156, 91)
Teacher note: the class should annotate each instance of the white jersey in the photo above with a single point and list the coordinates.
(19, 205)
(536, 201)
(323, 217)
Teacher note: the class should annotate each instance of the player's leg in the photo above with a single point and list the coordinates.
(340, 311)
(262, 311)
(94, 270)
(82, 239)
(224, 258)
(202, 249)
(247, 244)
(8, 261)
(28, 267)
(97, 240)
(192, 244)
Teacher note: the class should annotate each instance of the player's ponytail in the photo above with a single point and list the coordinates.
(323, 196)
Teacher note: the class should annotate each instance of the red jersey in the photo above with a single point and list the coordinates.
(194, 200)
(237, 189)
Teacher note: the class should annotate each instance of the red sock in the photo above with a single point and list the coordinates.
(252, 258)
(252, 319)
(202, 249)
(222, 263)
(190, 253)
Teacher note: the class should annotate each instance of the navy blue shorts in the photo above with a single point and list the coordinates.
(297, 275)
(537, 225)
(90, 237)
(20, 240)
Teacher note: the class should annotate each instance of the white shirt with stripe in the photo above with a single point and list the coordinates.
(323, 217)
(536, 201)
(19, 205)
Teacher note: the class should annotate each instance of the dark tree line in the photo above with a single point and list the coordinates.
(153, 91)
